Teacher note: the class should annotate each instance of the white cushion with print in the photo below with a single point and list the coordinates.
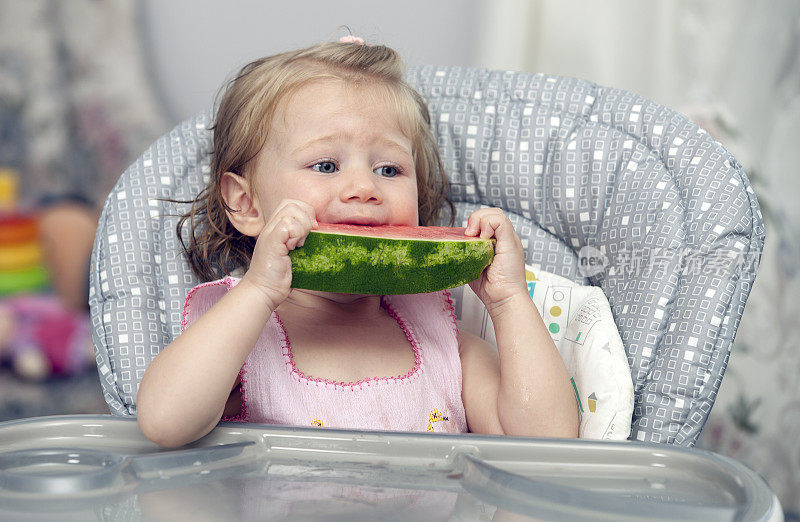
(580, 322)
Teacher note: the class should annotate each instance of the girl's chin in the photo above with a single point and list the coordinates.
(333, 296)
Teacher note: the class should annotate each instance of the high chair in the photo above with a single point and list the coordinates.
(604, 187)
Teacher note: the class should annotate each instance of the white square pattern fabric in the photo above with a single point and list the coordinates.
(586, 173)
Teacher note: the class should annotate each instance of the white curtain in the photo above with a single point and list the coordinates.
(734, 67)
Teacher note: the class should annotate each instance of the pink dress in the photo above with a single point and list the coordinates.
(428, 398)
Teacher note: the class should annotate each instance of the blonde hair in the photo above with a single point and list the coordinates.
(242, 126)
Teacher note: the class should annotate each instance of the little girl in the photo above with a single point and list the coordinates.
(334, 134)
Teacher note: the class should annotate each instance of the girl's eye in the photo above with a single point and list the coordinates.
(387, 171)
(325, 167)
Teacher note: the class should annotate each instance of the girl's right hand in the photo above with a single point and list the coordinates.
(270, 268)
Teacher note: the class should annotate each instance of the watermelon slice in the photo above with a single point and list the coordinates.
(386, 260)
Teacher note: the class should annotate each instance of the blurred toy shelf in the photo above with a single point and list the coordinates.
(45, 348)
(21, 263)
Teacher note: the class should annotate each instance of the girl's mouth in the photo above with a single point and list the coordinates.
(364, 222)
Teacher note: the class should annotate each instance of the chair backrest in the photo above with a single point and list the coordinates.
(587, 174)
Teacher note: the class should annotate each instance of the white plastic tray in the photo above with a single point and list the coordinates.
(101, 467)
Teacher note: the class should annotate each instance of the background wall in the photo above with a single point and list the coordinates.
(192, 50)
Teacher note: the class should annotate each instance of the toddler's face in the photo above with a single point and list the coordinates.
(340, 149)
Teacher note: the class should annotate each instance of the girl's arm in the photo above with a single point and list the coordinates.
(184, 391)
(523, 388)
(185, 388)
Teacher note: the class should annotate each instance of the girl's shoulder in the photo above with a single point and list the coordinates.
(204, 296)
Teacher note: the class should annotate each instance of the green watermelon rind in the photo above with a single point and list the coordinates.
(354, 264)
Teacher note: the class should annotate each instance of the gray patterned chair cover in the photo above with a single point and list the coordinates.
(584, 172)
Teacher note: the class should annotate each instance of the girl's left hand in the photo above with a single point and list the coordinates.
(505, 277)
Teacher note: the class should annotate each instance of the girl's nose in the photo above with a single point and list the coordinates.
(359, 185)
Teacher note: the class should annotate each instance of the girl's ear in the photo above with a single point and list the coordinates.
(246, 216)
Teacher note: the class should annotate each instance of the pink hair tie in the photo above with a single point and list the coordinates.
(352, 39)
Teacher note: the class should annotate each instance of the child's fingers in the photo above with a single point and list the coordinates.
(292, 210)
(291, 229)
(488, 223)
(291, 244)
(474, 221)
(287, 229)
(301, 210)
(307, 211)
(472, 226)
(491, 224)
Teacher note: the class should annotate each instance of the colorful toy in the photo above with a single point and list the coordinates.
(40, 338)
(21, 263)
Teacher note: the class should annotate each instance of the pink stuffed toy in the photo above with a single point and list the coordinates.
(41, 338)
